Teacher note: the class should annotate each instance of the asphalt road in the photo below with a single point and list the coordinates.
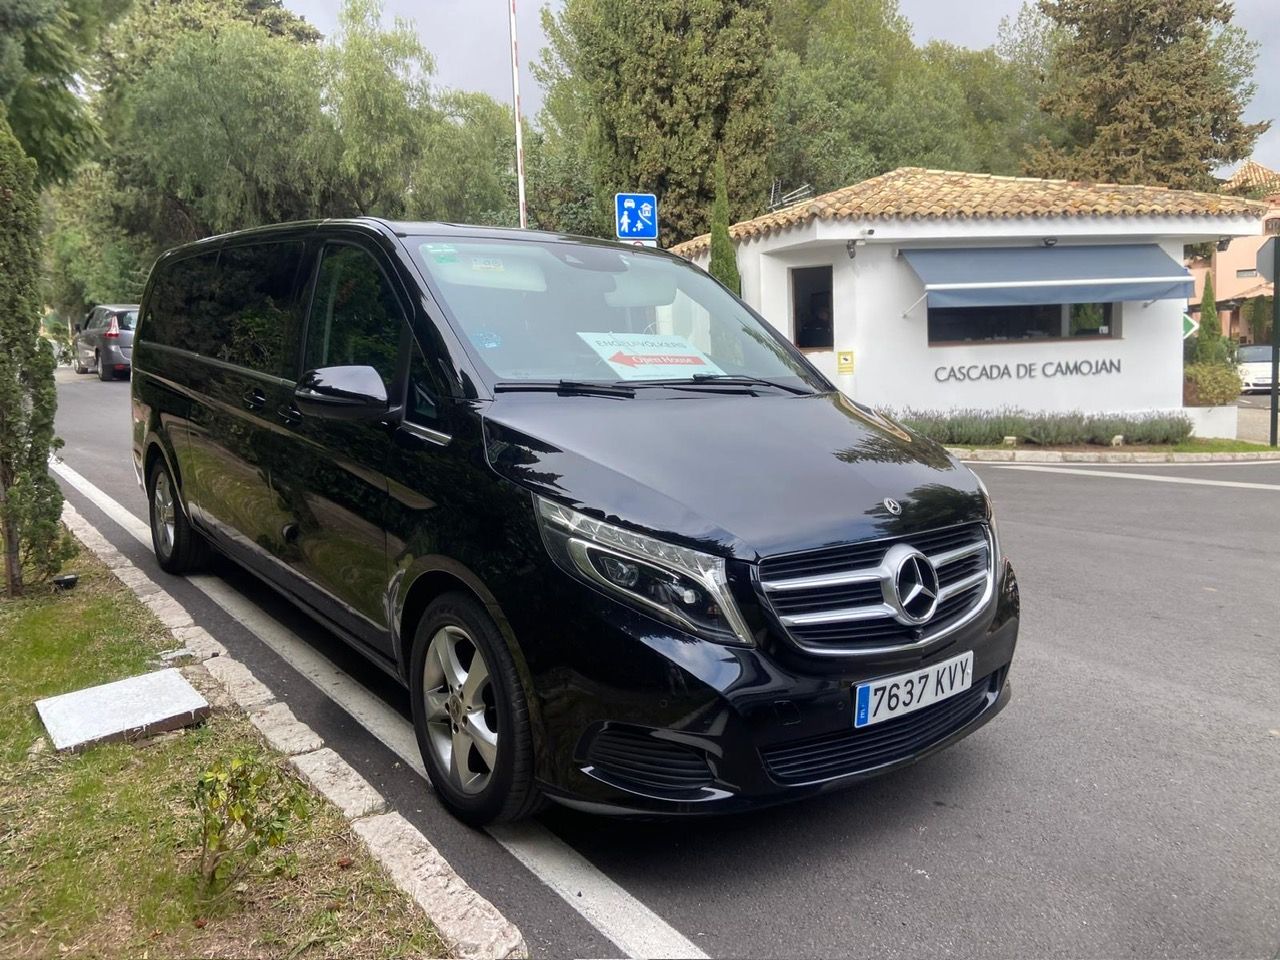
(1127, 803)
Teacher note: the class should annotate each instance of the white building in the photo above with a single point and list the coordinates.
(934, 290)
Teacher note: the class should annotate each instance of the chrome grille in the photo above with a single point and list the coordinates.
(839, 600)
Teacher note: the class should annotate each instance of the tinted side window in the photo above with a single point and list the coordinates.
(258, 310)
(355, 316)
(182, 311)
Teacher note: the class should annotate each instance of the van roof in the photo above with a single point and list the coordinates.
(377, 225)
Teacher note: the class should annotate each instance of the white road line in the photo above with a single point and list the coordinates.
(1162, 465)
(602, 902)
(1153, 477)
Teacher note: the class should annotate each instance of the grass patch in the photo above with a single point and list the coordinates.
(1212, 445)
(98, 851)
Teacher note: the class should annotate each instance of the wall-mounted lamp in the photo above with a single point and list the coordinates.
(1050, 241)
(1223, 243)
(851, 246)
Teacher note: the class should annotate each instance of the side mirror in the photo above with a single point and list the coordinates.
(78, 328)
(342, 393)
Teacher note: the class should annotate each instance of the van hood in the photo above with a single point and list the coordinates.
(738, 475)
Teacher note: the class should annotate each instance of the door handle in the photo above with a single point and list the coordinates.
(255, 399)
(290, 414)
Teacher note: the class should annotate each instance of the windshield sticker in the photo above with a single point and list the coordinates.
(645, 356)
(441, 252)
(486, 340)
(487, 263)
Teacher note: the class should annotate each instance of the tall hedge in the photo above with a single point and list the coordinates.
(30, 501)
(724, 260)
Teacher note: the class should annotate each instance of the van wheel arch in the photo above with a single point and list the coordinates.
(156, 451)
(438, 581)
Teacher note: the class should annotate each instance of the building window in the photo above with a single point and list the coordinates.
(1272, 226)
(1246, 273)
(1056, 321)
(811, 307)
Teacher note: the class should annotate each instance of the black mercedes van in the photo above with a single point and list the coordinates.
(627, 549)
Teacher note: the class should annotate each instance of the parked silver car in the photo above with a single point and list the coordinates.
(104, 340)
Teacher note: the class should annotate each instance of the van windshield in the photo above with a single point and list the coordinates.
(567, 311)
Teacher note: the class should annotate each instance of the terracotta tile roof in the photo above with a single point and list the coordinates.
(1252, 176)
(913, 193)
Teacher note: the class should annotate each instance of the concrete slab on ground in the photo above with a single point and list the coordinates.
(133, 707)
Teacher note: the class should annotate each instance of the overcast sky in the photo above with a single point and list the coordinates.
(469, 41)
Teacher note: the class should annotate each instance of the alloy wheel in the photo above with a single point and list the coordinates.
(461, 708)
(163, 512)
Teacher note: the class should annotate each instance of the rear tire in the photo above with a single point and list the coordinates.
(179, 549)
(470, 714)
(105, 373)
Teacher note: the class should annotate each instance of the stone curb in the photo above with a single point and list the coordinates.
(339, 782)
(1012, 455)
(470, 925)
(417, 867)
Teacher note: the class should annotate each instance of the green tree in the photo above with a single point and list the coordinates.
(255, 152)
(559, 169)
(854, 97)
(1149, 92)
(724, 259)
(45, 46)
(671, 82)
(1210, 346)
(30, 501)
(1258, 316)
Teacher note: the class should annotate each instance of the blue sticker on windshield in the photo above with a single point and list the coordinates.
(486, 340)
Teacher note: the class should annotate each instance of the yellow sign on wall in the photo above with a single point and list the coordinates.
(844, 361)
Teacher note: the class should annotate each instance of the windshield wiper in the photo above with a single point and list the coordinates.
(746, 380)
(573, 387)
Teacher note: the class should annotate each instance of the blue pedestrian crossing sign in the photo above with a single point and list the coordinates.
(636, 216)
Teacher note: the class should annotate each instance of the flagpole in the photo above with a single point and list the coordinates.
(515, 95)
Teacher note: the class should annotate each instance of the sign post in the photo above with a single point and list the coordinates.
(635, 218)
(1269, 267)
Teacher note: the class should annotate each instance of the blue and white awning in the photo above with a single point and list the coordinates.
(1012, 276)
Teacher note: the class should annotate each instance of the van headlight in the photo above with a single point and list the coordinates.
(682, 586)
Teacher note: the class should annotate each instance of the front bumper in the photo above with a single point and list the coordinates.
(652, 721)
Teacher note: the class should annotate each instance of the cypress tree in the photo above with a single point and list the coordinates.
(1209, 345)
(724, 260)
(30, 501)
(669, 83)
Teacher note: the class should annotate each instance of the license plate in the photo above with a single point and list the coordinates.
(890, 697)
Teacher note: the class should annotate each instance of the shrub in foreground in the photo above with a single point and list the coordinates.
(982, 428)
(1211, 384)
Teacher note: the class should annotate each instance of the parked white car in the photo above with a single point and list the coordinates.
(1255, 367)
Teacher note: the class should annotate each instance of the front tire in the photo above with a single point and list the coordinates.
(470, 714)
(179, 549)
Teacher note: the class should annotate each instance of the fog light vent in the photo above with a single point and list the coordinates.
(632, 755)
